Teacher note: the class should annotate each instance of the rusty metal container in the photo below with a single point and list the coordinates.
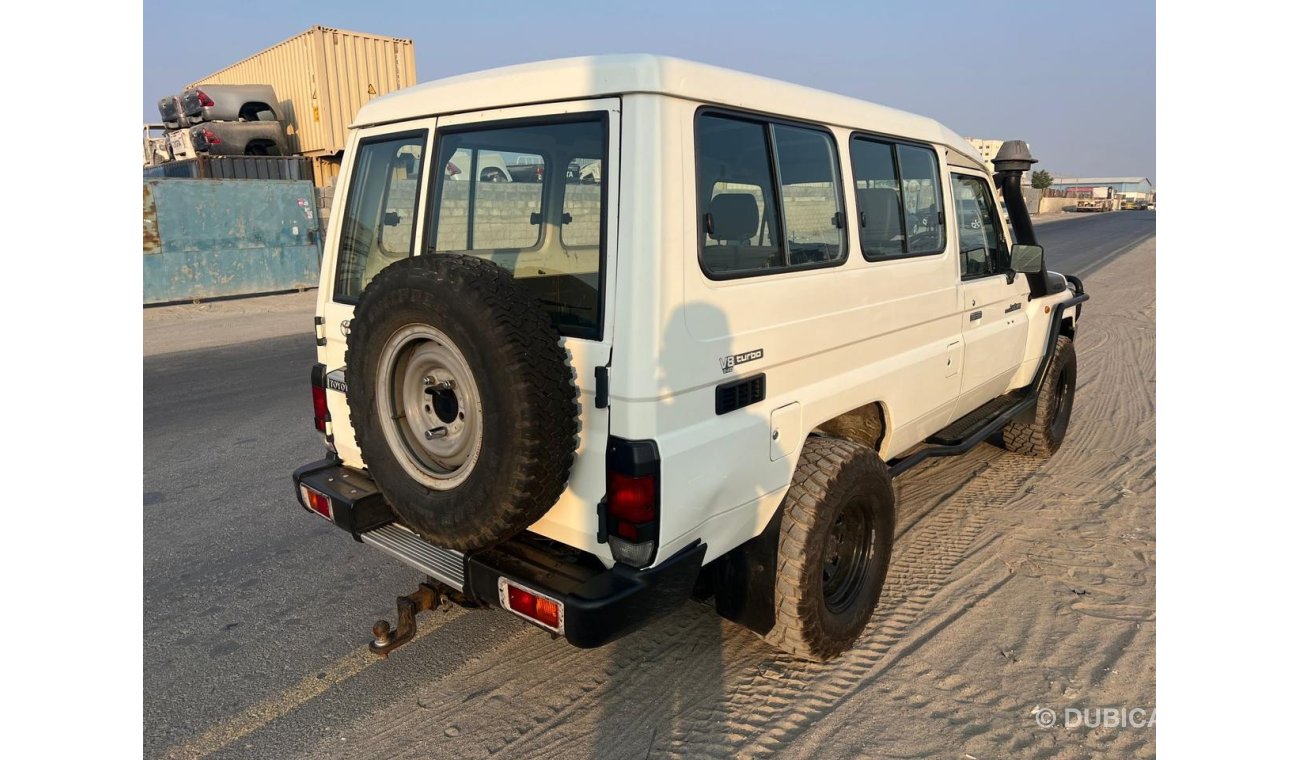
(211, 238)
(322, 77)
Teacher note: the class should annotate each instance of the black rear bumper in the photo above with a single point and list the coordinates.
(600, 604)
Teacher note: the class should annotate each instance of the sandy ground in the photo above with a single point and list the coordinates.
(1016, 586)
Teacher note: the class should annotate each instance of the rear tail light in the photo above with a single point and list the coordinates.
(318, 502)
(531, 605)
(204, 100)
(320, 409)
(631, 507)
(204, 138)
(540, 169)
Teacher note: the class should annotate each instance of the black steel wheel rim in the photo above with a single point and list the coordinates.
(1062, 400)
(847, 557)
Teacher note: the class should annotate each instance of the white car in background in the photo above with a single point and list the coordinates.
(491, 167)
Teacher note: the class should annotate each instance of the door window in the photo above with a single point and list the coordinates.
(528, 196)
(378, 225)
(984, 250)
(582, 203)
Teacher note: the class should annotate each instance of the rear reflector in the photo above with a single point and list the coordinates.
(318, 503)
(539, 609)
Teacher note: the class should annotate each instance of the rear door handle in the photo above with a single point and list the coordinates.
(976, 315)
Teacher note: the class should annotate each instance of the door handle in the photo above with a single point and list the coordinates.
(976, 315)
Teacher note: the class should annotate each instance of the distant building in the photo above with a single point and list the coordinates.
(988, 149)
(1121, 187)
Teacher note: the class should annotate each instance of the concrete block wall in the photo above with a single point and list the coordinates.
(503, 211)
(808, 209)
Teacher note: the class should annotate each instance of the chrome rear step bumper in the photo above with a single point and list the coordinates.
(444, 565)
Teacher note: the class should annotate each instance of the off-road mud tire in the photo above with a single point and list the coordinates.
(1041, 437)
(833, 478)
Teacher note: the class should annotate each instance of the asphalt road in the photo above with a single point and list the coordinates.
(1083, 243)
(256, 614)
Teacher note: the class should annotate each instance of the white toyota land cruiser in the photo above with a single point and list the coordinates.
(692, 371)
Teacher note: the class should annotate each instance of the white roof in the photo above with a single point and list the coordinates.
(605, 75)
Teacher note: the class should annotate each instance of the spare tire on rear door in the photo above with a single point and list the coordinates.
(462, 399)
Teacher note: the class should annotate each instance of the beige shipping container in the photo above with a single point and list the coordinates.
(322, 78)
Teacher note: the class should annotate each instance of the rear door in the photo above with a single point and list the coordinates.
(556, 234)
(994, 325)
(552, 229)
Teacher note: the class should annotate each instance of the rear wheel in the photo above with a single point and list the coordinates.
(1042, 436)
(837, 532)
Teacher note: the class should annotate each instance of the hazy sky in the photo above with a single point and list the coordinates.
(1080, 87)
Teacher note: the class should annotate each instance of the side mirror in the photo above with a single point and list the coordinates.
(1027, 259)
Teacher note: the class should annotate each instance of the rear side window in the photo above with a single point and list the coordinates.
(880, 218)
(919, 169)
(378, 225)
(528, 197)
(898, 196)
(810, 195)
(748, 228)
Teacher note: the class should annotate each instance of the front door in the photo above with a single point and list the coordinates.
(994, 300)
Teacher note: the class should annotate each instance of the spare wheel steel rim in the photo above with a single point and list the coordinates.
(429, 407)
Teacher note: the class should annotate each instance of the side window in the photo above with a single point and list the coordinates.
(810, 195)
(922, 201)
(735, 192)
(983, 250)
(899, 200)
(746, 228)
(875, 183)
(378, 225)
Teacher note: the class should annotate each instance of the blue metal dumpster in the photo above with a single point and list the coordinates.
(207, 238)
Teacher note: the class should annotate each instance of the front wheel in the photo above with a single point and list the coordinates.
(837, 532)
(1042, 436)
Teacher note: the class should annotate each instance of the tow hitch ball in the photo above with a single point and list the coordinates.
(425, 598)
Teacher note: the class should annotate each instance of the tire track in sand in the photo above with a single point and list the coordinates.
(762, 714)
